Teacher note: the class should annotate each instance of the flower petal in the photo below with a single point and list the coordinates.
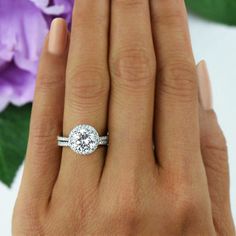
(50, 10)
(16, 85)
(24, 32)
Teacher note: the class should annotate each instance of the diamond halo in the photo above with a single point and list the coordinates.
(83, 139)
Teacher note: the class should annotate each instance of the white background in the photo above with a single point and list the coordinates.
(216, 44)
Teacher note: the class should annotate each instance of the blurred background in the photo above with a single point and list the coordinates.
(213, 32)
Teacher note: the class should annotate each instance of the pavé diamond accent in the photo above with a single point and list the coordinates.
(83, 139)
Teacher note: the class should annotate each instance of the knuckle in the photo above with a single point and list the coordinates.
(87, 21)
(44, 130)
(183, 192)
(215, 152)
(215, 142)
(126, 205)
(133, 68)
(82, 19)
(169, 19)
(129, 3)
(47, 82)
(216, 159)
(178, 81)
(187, 202)
(126, 214)
(87, 85)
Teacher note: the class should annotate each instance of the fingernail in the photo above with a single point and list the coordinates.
(57, 37)
(205, 90)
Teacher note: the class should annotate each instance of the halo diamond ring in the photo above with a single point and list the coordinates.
(83, 139)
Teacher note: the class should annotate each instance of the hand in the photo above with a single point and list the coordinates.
(128, 69)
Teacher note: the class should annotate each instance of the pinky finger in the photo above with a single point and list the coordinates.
(43, 156)
(215, 157)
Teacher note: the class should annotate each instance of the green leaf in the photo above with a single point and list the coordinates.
(14, 126)
(218, 10)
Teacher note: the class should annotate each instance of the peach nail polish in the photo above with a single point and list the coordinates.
(205, 90)
(57, 37)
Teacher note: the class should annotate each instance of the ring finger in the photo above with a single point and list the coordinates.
(87, 86)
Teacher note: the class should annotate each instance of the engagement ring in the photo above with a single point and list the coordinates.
(83, 139)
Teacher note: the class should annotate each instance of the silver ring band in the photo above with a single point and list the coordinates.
(83, 139)
(64, 142)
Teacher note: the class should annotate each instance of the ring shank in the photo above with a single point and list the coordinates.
(103, 140)
(64, 141)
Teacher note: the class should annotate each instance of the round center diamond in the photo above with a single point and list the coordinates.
(83, 139)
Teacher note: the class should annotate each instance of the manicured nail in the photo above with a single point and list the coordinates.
(57, 37)
(205, 90)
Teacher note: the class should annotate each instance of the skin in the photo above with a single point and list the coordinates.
(129, 69)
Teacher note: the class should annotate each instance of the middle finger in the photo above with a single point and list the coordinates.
(132, 64)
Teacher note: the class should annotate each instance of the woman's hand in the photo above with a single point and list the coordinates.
(128, 68)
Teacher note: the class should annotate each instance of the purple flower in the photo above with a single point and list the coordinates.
(23, 27)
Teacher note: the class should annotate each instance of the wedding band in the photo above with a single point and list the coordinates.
(83, 140)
